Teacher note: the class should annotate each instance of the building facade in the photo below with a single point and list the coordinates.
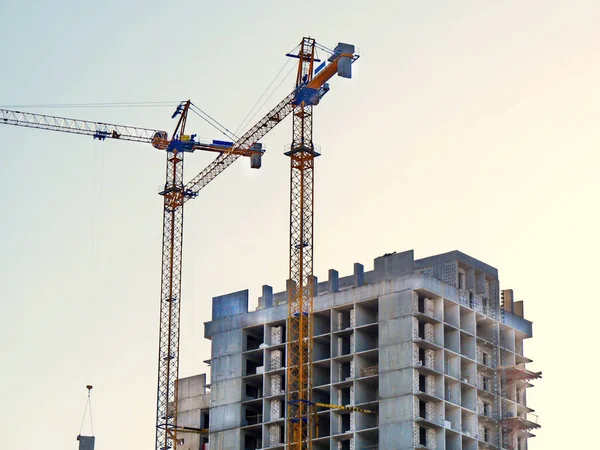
(431, 348)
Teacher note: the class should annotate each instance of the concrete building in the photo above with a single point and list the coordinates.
(431, 346)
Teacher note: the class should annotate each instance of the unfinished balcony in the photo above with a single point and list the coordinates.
(253, 338)
(252, 438)
(424, 436)
(253, 363)
(520, 422)
(367, 313)
(427, 307)
(429, 412)
(424, 334)
(519, 372)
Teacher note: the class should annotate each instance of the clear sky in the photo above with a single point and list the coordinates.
(469, 125)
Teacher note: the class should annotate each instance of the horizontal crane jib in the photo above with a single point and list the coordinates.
(98, 130)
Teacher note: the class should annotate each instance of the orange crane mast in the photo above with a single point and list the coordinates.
(310, 87)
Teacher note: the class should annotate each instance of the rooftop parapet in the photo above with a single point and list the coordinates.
(455, 268)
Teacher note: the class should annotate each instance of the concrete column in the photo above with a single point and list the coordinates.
(267, 296)
(470, 278)
(230, 305)
(290, 287)
(359, 274)
(334, 280)
(518, 309)
(394, 265)
(480, 283)
(508, 300)
(315, 284)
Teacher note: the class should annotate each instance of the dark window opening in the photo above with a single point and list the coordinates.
(487, 409)
(345, 371)
(486, 434)
(422, 356)
(345, 423)
(204, 419)
(422, 436)
(422, 330)
(252, 442)
(252, 391)
(422, 381)
(251, 367)
(345, 397)
(422, 409)
(253, 417)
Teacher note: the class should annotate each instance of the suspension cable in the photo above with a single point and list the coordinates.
(96, 105)
(244, 123)
(269, 97)
(213, 122)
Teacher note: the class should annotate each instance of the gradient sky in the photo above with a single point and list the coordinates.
(468, 125)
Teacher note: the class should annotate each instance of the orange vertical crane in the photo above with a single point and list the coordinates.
(311, 85)
(300, 292)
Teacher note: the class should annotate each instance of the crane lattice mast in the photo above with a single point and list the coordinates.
(311, 85)
(299, 335)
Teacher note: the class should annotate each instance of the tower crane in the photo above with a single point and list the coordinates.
(311, 86)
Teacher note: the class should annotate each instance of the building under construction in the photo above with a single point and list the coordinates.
(414, 354)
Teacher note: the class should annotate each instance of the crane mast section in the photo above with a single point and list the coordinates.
(300, 300)
(170, 295)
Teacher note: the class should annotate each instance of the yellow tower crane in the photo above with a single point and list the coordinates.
(311, 86)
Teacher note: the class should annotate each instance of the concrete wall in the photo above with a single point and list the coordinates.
(192, 399)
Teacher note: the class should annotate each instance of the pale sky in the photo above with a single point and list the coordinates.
(468, 125)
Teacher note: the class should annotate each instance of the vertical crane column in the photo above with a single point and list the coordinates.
(300, 301)
(168, 352)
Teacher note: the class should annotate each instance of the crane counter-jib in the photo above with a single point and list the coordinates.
(102, 131)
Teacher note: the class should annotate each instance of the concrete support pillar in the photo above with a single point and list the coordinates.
(359, 274)
(518, 309)
(290, 287)
(334, 280)
(267, 296)
(480, 283)
(508, 300)
(470, 278)
(315, 284)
